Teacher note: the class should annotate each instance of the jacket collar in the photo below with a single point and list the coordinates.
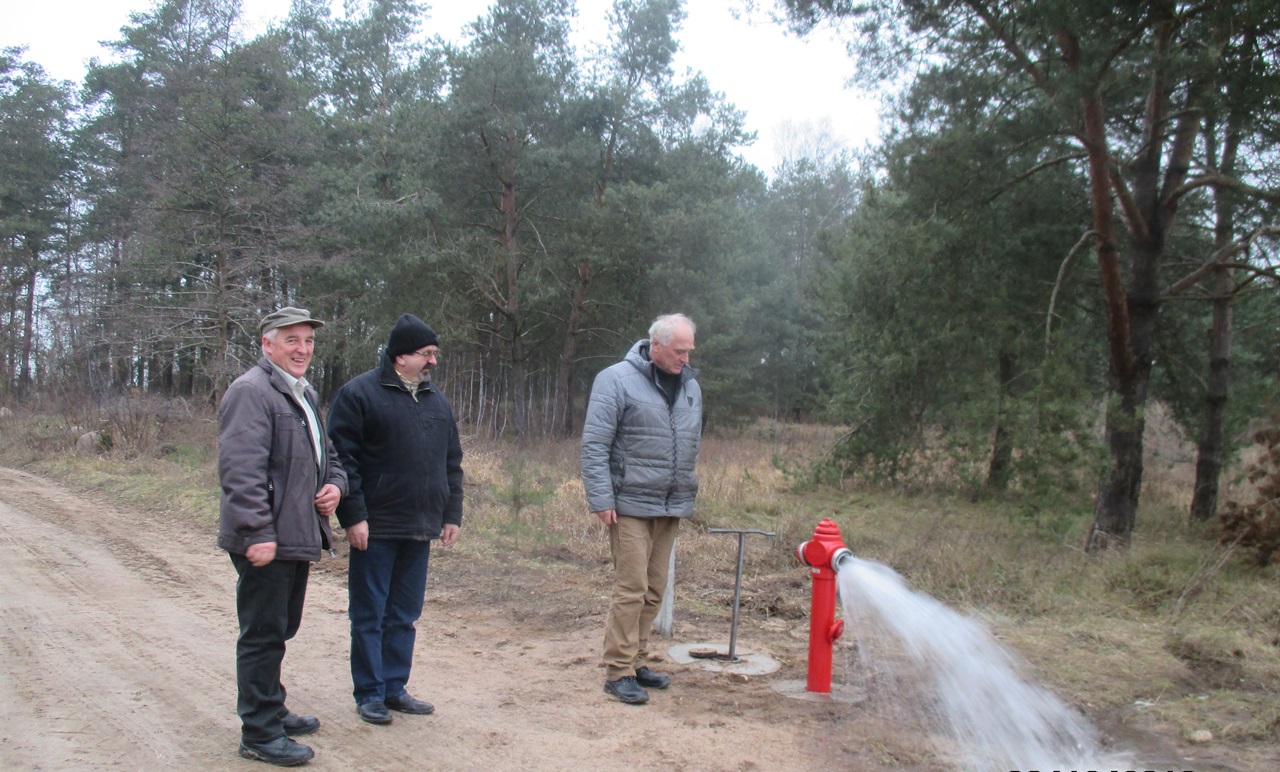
(281, 385)
(278, 381)
(638, 356)
(388, 376)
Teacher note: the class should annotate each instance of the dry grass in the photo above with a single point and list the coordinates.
(1179, 628)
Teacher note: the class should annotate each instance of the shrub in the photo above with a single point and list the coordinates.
(1257, 525)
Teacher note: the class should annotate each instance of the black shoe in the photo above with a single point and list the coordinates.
(281, 751)
(406, 704)
(651, 679)
(627, 690)
(297, 726)
(374, 712)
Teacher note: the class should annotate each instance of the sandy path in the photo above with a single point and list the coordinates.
(118, 640)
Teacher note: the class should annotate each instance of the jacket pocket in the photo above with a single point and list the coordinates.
(290, 430)
(618, 476)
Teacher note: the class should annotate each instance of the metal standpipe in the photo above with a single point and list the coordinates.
(731, 656)
(823, 554)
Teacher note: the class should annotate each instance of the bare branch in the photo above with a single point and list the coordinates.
(1219, 258)
(1128, 205)
(1057, 285)
(1052, 162)
(1226, 182)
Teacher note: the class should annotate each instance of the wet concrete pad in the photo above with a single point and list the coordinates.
(749, 662)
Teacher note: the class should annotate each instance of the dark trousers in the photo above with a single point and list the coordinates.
(385, 588)
(269, 604)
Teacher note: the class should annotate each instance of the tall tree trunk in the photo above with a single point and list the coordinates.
(516, 393)
(185, 385)
(1115, 511)
(222, 343)
(1210, 448)
(1117, 500)
(1002, 446)
(1211, 445)
(1150, 206)
(28, 328)
(563, 421)
(511, 307)
(9, 350)
(155, 378)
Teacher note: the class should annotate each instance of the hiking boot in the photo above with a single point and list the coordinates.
(296, 726)
(651, 679)
(281, 751)
(627, 690)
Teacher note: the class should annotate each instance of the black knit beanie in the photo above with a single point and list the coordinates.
(409, 335)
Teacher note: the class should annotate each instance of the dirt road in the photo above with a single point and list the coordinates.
(118, 638)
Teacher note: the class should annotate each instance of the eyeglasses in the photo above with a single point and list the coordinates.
(428, 354)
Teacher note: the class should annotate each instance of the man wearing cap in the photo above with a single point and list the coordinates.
(398, 441)
(281, 481)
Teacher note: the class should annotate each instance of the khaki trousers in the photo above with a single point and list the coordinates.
(641, 550)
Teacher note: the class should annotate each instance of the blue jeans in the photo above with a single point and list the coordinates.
(385, 588)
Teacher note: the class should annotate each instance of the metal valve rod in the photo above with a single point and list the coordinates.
(737, 585)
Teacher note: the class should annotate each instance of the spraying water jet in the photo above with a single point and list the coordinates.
(940, 664)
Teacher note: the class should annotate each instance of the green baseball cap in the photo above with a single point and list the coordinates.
(287, 317)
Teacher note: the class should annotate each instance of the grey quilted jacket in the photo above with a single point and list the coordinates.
(638, 452)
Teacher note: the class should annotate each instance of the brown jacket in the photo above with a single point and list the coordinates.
(267, 468)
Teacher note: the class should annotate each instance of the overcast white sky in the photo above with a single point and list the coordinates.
(776, 78)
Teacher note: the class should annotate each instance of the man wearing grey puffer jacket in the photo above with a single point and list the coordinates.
(639, 452)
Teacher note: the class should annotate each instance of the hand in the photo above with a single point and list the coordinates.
(358, 536)
(607, 516)
(327, 499)
(449, 535)
(261, 554)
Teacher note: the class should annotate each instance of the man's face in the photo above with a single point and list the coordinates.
(674, 356)
(292, 348)
(416, 365)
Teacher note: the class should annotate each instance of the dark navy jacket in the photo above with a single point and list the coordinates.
(403, 458)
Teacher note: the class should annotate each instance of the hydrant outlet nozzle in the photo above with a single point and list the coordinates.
(819, 554)
(800, 552)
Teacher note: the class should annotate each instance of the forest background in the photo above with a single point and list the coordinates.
(1068, 219)
(1046, 296)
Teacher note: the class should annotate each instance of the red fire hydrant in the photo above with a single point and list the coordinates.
(823, 553)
